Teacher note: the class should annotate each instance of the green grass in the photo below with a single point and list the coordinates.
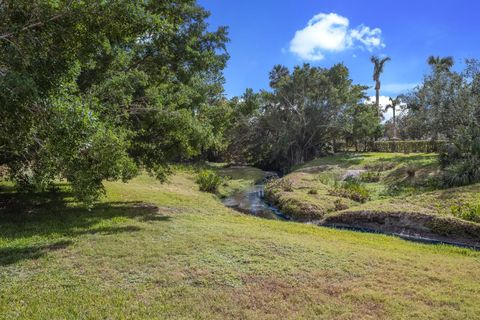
(405, 183)
(169, 251)
(237, 178)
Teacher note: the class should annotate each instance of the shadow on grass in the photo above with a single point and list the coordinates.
(14, 255)
(52, 218)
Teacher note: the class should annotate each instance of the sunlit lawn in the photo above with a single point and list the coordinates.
(169, 251)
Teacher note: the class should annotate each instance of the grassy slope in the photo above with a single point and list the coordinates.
(193, 258)
(413, 194)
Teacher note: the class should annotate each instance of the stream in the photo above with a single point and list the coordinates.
(251, 201)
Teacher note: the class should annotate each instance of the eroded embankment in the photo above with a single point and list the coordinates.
(411, 224)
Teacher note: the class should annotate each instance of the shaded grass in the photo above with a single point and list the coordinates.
(169, 251)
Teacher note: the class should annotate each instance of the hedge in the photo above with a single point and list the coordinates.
(410, 146)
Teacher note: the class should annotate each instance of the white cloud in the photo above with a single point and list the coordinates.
(385, 101)
(331, 33)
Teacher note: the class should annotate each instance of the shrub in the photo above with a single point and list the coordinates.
(469, 212)
(410, 169)
(410, 146)
(285, 185)
(370, 176)
(463, 173)
(339, 205)
(282, 184)
(326, 180)
(208, 181)
(352, 189)
(461, 159)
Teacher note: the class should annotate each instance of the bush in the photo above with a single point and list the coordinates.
(280, 184)
(410, 146)
(463, 173)
(370, 176)
(351, 189)
(411, 169)
(461, 160)
(208, 181)
(467, 212)
(339, 205)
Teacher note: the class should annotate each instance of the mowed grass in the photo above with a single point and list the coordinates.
(153, 251)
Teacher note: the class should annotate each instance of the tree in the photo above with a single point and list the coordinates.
(441, 103)
(393, 105)
(377, 71)
(300, 116)
(361, 126)
(94, 90)
(440, 64)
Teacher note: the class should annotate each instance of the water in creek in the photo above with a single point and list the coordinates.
(251, 201)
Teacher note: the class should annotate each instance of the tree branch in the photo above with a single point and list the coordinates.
(31, 26)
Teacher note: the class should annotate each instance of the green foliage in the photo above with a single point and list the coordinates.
(352, 189)
(410, 146)
(370, 176)
(340, 205)
(94, 90)
(298, 118)
(462, 159)
(208, 181)
(283, 184)
(361, 126)
(444, 104)
(469, 212)
(463, 173)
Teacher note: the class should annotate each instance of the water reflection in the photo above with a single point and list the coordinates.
(251, 201)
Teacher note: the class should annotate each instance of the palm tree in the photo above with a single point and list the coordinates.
(440, 64)
(393, 105)
(377, 71)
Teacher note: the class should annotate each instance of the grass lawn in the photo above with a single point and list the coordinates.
(170, 251)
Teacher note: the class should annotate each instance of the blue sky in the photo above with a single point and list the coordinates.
(268, 32)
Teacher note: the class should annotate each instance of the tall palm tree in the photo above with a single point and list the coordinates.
(440, 64)
(393, 105)
(377, 71)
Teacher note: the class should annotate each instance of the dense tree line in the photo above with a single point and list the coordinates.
(98, 90)
(446, 105)
(306, 112)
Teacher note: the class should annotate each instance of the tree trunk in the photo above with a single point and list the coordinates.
(394, 125)
(377, 97)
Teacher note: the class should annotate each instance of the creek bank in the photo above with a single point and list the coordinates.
(409, 225)
(327, 211)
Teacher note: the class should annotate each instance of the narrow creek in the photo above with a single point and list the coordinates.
(251, 201)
